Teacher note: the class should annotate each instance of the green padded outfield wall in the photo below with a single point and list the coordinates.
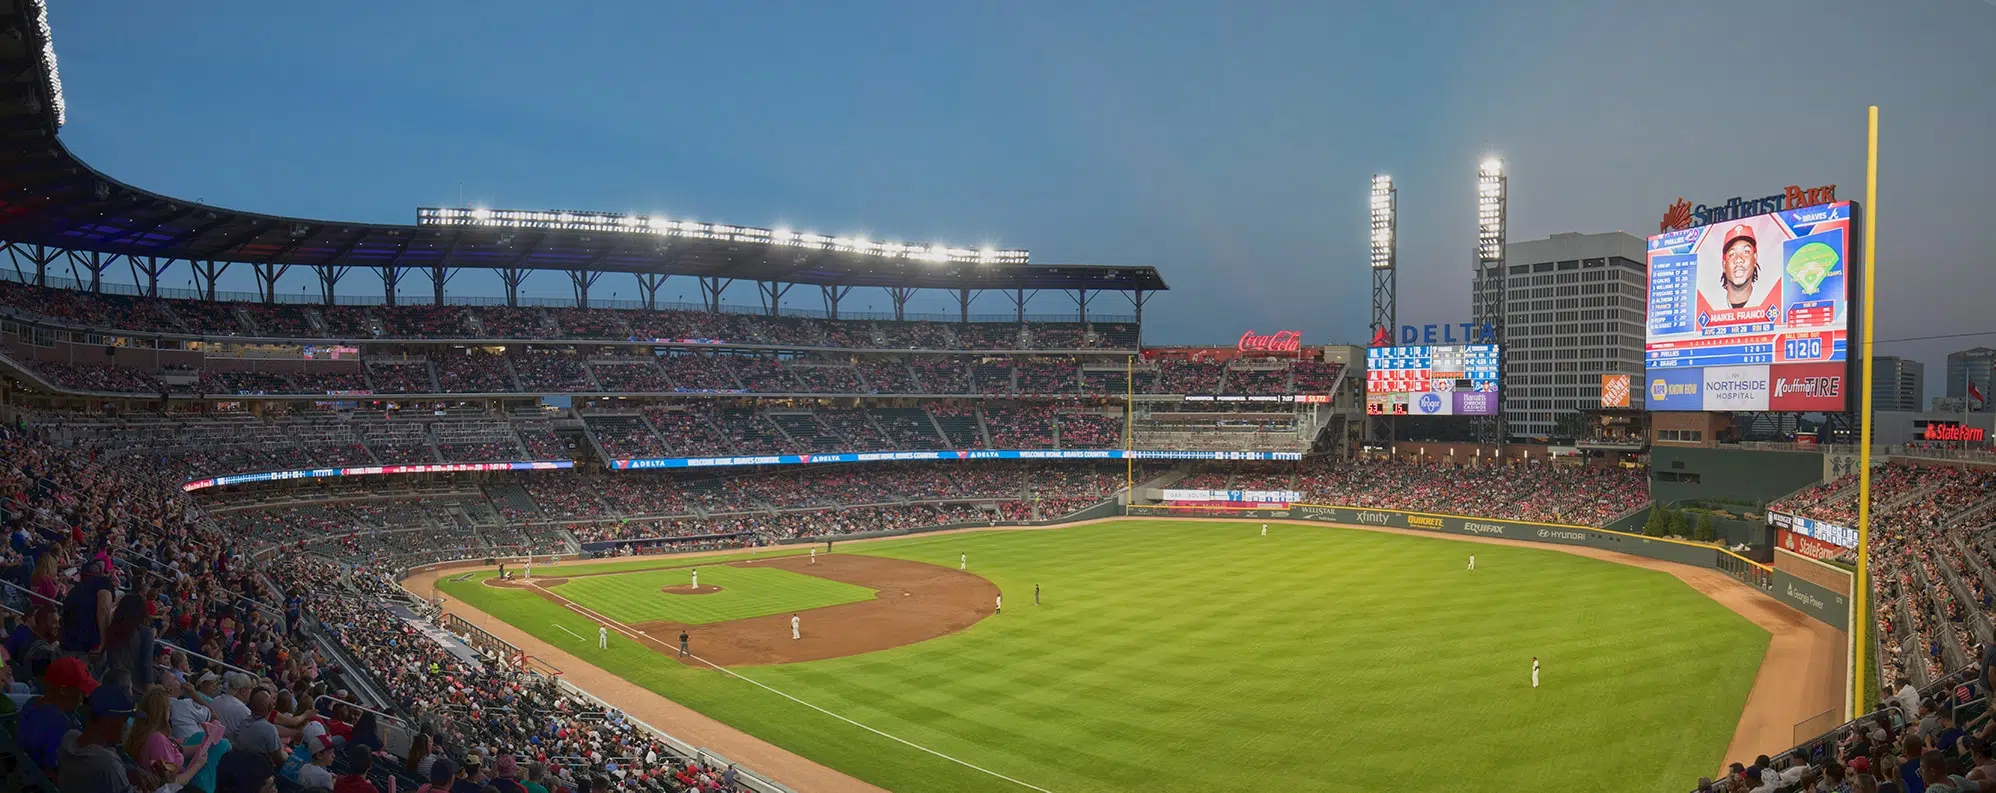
(1729, 474)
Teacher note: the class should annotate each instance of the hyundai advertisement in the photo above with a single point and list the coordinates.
(1752, 314)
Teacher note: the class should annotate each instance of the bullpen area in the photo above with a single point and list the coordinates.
(1168, 655)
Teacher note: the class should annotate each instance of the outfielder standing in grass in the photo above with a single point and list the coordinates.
(963, 561)
(1264, 529)
(602, 637)
(1001, 605)
(1036, 594)
(1472, 561)
(1535, 671)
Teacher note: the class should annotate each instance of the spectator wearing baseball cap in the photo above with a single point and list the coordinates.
(313, 775)
(90, 759)
(48, 717)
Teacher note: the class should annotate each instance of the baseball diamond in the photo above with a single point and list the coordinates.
(1170, 641)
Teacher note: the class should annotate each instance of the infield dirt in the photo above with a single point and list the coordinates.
(913, 602)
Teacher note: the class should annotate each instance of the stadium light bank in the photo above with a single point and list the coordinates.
(571, 220)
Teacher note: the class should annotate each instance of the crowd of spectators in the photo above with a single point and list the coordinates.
(98, 377)
(552, 371)
(1573, 494)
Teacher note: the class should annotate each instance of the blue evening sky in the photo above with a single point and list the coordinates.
(1228, 144)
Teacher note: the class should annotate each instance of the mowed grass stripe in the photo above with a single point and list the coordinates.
(745, 592)
(1180, 656)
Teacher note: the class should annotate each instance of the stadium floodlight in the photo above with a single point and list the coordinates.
(576, 220)
(1385, 216)
(1490, 221)
(51, 75)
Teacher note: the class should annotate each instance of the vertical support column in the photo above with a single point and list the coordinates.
(1081, 299)
(963, 305)
(711, 288)
(900, 295)
(512, 277)
(581, 280)
(771, 294)
(266, 280)
(391, 280)
(648, 285)
(206, 273)
(152, 267)
(440, 276)
(832, 296)
(329, 279)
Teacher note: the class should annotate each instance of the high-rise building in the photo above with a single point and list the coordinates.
(1898, 383)
(1970, 366)
(1573, 310)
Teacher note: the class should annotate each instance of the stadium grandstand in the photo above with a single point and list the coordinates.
(212, 497)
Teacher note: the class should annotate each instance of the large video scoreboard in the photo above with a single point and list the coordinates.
(1453, 380)
(1752, 314)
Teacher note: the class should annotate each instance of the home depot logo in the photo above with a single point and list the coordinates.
(1614, 390)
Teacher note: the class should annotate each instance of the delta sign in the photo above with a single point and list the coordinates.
(1470, 333)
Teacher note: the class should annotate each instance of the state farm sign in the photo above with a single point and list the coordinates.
(1946, 431)
(1279, 341)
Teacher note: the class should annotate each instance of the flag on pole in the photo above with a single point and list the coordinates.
(1975, 394)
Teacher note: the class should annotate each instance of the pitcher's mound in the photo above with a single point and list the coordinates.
(684, 589)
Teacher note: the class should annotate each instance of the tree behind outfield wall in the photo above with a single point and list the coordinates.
(1658, 523)
(1677, 525)
(1704, 531)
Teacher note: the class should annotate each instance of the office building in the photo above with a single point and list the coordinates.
(1898, 384)
(1573, 308)
(1971, 366)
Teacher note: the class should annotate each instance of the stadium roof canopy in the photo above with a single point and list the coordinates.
(49, 197)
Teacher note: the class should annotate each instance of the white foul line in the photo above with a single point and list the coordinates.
(639, 635)
(895, 738)
(578, 637)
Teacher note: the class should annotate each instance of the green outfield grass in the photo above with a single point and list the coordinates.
(1194, 656)
(745, 592)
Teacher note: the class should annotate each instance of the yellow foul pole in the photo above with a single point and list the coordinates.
(1861, 612)
(1129, 425)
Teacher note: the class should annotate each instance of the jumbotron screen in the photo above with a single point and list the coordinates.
(1453, 380)
(1751, 314)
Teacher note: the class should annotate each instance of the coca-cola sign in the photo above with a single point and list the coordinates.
(1279, 341)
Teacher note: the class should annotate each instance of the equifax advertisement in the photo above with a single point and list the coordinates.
(1746, 310)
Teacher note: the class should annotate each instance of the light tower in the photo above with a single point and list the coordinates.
(1385, 256)
(1487, 295)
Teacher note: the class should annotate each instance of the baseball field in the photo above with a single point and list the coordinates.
(1174, 656)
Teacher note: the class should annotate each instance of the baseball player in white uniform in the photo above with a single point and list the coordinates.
(814, 556)
(796, 628)
(1535, 671)
(1472, 561)
(1264, 529)
(602, 637)
(1001, 605)
(530, 569)
(696, 577)
(963, 561)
